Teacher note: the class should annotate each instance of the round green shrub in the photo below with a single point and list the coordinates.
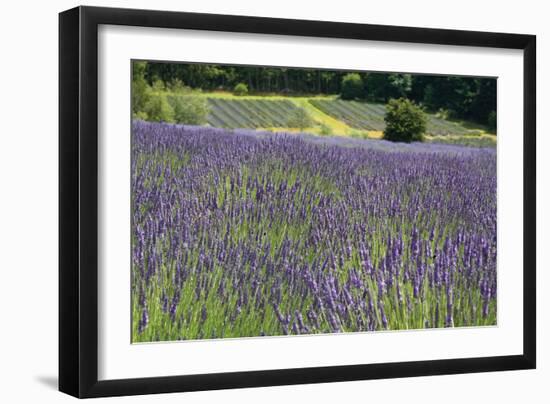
(176, 86)
(405, 121)
(240, 89)
(158, 109)
(189, 109)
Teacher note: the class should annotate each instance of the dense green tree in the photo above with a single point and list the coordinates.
(405, 121)
(189, 108)
(352, 87)
(464, 97)
(240, 89)
(484, 102)
(383, 86)
(400, 84)
(158, 109)
(140, 88)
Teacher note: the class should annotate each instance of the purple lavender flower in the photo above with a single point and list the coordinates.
(261, 228)
(144, 320)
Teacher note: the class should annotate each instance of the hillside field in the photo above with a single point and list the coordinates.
(330, 116)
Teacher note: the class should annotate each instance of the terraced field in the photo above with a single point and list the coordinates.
(249, 113)
(366, 116)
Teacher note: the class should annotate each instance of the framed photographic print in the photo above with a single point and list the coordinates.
(251, 201)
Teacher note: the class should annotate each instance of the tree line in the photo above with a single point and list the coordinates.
(469, 98)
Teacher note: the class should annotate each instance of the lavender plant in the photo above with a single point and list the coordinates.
(242, 234)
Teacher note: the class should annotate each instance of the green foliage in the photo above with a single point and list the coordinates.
(429, 97)
(401, 84)
(240, 89)
(176, 86)
(352, 87)
(450, 93)
(158, 109)
(492, 121)
(383, 86)
(190, 109)
(140, 89)
(466, 98)
(299, 118)
(158, 86)
(139, 115)
(151, 103)
(405, 121)
(483, 101)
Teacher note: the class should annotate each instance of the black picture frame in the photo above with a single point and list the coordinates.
(78, 201)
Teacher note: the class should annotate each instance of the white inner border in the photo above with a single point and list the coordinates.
(120, 359)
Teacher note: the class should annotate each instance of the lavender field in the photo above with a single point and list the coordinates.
(245, 234)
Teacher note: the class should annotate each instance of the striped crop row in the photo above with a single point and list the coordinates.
(249, 113)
